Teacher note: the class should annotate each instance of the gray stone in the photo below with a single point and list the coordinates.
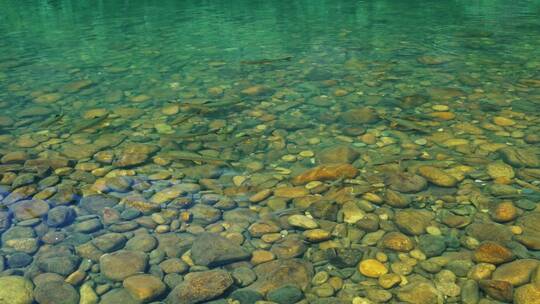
(110, 242)
(288, 294)
(213, 250)
(199, 287)
(97, 202)
(60, 216)
(56, 292)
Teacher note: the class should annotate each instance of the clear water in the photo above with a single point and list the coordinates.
(232, 98)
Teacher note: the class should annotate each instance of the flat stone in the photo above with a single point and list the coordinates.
(419, 293)
(199, 287)
(337, 155)
(56, 292)
(144, 287)
(96, 203)
(413, 222)
(517, 272)
(121, 264)
(29, 209)
(110, 242)
(278, 273)
(285, 295)
(499, 290)
(397, 241)
(213, 250)
(493, 253)
(437, 176)
(372, 268)
(325, 172)
(302, 221)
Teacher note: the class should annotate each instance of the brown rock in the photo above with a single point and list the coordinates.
(406, 182)
(499, 290)
(277, 273)
(397, 241)
(396, 199)
(372, 268)
(503, 212)
(199, 287)
(363, 115)
(144, 287)
(325, 172)
(437, 176)
(419, 293)
(337, 155)
(517, 272)
(258, 229)
(493, 253)
(291, 192)
(413, 222)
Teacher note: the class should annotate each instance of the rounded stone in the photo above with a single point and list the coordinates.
(527, 294)
(287, 294)
(121, 264)
(16, 290)
(372, 268)
(144, 287)
(56, 292)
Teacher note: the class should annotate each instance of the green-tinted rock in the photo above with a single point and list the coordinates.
(16, 290)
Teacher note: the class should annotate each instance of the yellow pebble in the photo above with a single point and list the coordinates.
(306, 153)
(503, 121)
(440, 108)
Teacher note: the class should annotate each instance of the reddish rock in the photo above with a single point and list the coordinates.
(493, 253)
(325, 172)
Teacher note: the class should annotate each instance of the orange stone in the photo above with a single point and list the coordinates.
(504, 212)
(325, 172)
(443, 115)
(493, 253)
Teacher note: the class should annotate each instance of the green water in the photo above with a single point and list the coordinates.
(336, 151)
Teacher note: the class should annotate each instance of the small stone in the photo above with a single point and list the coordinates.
(317, 235)
(244, 276)
(503, 121)
(285, 295)
(87, 294)
(302, 221)
(500, 169)
(372, 268)
(389, 280)
(437, 176)
(144, 287)
(503, 212)
(352, 213)
(325, 172)
(397, 241)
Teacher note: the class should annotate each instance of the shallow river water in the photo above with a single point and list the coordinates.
(284, 152)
